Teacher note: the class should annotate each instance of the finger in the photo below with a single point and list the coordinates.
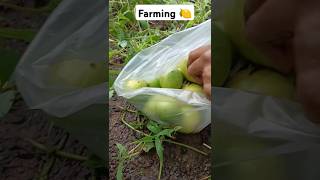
(272, 33)
(195, 54)
(207, 90)
(307, 60)
(252, 6)
(195, 70)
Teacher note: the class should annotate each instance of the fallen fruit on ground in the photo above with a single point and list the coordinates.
(173, 79)
(263, 81)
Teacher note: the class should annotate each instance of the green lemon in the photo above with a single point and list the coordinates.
(78, 73)
(232, 21)
(154, 83)
(135, 84)
(182, 67)
(163, 108)
(193, 87)
(173, 79)
(263, 81)
(190, 119)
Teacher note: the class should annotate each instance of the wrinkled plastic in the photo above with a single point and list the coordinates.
(72, 32)
(160, 59)
(75, 31)
(261, 137)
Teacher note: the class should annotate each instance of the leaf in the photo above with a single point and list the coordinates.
(9, 60)
(111, 92)
(123, 43)
(122, 155)
(159, 149)
(144, 24)
(6, 100)
(120, 170)
(20, 34)
(147, 139)
(148, 146)
(130, 16)
(94, 162)
(166, 132)
(122, 151)
(112, 75)
(153, 127)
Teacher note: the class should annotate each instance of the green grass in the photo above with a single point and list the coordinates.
(127, 36)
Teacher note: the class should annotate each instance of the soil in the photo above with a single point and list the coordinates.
(179, 162)
(19, 159)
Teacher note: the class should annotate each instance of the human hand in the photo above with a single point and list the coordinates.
(199, 67)
(288, 33)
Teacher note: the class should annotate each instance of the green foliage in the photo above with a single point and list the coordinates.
(6, 100)
(19, 34)
(122, 156)
(128, 36)
(9, 60)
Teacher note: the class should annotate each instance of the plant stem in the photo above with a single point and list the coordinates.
(132, 150)
(71, 156)
(186, 146)
(126, 109)
(160, 171)
(56, 152)
(127, 124)
(208, 177)
(206, 145)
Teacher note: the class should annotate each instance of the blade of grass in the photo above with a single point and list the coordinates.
(20, 34)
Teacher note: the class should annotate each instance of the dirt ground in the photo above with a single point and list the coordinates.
(19, 159)
(179, 162)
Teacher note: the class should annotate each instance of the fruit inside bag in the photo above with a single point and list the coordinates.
(157, 83)
(260, 129)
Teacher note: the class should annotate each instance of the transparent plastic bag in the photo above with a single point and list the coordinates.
(70, 45)
(262, 137)
(72, 36)
(257, 136)
(159, 60)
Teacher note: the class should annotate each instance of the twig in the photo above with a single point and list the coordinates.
(56, 152)
(186, 146)
(46, 169)
(133, 149)
(126, 109)
(206, 145)
(205, 178)
(127, 124)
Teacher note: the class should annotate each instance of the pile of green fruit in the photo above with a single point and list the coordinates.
(254, 77)
(261, 75)
(167, 110)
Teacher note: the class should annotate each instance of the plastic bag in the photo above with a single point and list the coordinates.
(160, 59)
(73, 35)
(53, 74)
(261, 137)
